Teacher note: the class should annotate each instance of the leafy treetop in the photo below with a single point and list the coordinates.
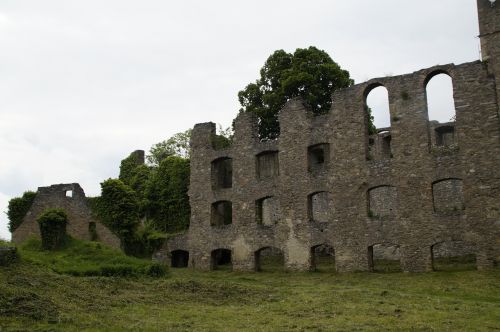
(309, 73)
(177, 145)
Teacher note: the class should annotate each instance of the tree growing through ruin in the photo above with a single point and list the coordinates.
(309, 73)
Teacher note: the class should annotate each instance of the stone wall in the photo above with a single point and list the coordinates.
(407, 175)
(71, 198)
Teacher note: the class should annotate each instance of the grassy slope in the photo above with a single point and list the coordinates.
(33, 297)
(83, 258)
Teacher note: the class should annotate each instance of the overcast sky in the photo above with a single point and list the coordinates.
(84, 83)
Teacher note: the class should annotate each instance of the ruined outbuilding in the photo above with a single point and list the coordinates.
(416, 187)
(81, 225)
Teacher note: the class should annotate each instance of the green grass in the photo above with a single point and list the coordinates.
(33, 297)
(5, 243)
(82, 258)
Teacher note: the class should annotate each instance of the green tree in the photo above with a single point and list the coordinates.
(167, 196)
(309, 73)
(118, 207)
(17, 209)
(177, 145)
(372, 130)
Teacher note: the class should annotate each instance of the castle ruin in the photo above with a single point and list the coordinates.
(81, 224)
(414, 187)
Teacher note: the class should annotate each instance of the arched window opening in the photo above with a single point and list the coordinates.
(268, 212)
(453, 256)
(179, 258)
(382, 202)
(384, 257)
(379, 123)
(377, 101)
(267, 165)
(319, 206)
(447, 196)
(222, 213)
(269, 259)
(222, 173)
(440, 102)
(221, 259)
(323, 258)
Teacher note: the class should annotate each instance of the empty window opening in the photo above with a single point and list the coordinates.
(448, 196)
(222, 173)
(268, 211)
(382, 202)
(222, 213)
(440, 103)
(385, 148)
(445, 135)
(377, 102)
(379, 146)
(453, 256)
(221, 259)
(269, 259)
(69, 193)
(317, 156)
(319, 205)
(323, 258)
(384, 258)
(179, 258)
(93, 231)
(267, 165)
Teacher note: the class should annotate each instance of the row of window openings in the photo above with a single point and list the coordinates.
(383, 257)
(268, 210)
(267, 165)
(382, 202)
(379, 145)
(439, 99)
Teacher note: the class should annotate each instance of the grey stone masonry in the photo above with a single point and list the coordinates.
(409, 188)
(71, 198)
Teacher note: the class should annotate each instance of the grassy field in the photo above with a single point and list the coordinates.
(85, 258)
(33, 297)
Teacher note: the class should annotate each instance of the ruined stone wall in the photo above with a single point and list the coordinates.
(392, 190)
(71, 198)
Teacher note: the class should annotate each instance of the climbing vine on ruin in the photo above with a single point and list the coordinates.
(17, 209)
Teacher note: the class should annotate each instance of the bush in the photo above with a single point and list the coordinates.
(118, 207)
(8, 255)
(52, 224)
(156, 270)
(144, 242)
(17, 209)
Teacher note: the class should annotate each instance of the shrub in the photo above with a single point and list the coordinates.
(118, 207)
(52, 224)
(156, 270)
(17, 209)
(8, 255)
